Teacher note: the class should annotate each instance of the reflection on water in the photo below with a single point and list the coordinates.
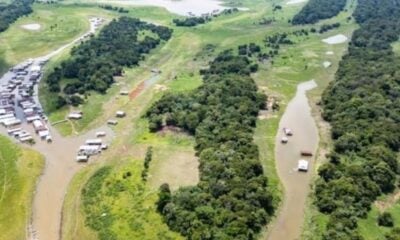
(298, 118)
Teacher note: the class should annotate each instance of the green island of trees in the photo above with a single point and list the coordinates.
(9, 13)
(94, 63)
(316, 10)
(231, 201)
(363, 107)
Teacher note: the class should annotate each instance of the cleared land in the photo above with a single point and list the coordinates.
(19, 171)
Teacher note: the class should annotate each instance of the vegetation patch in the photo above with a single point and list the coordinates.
(19, 170)
(118, 205)
(363, 108)
(316, 10)
(94, 64)
(11, 12)
(231, 200)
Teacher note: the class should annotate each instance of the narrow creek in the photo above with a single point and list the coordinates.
(296, 184)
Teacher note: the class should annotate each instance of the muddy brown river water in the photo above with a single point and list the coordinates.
(296, 184)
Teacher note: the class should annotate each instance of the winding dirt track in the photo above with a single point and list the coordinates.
(297, 117)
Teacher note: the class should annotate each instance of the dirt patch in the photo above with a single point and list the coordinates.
(137, 91)
(389, 202)
(177, 168)
(160, 88)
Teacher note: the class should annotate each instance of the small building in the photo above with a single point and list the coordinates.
(96, 142)
(306, 153)
(120, 114)
(75, 116)
(123, 93)
(101, 134)
(43, 134)
(32, 118)
(82, 158)
(12, 122)
(89, 150)
(26, 139)
(302, 165)
(38, 125)
(13, 130)
(112, 122)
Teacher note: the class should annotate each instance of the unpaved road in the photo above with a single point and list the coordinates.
(297, 117)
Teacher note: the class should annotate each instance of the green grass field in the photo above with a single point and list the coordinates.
(19, 171)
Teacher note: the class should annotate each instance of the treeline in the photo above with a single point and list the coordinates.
(363, 107)
(231, 201)
(194, 21)
(94, 63)
(115, 9)
(11, 12)
(316, 10)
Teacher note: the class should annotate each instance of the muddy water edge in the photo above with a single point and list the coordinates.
(296, 184)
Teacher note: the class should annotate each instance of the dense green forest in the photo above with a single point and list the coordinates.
(363, 107)
(316, 10)
(11, 12)
(94, 63)
(231, 201)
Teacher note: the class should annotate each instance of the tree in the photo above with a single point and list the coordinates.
(385, 219)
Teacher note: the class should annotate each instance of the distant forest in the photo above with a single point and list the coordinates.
(94, 63)
(231, 201)
(363, 107)
(11, 12)
(316, 10)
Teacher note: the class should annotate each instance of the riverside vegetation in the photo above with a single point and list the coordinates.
(363, 107)
(94, 63)
(231, 200)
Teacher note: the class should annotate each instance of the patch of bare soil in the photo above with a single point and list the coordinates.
(177, 168)
(388, 202)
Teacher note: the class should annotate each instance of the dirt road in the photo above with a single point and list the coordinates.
(298, 118)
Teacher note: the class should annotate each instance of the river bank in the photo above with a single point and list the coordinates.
(298, 118)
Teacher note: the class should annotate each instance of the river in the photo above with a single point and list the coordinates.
(296, 184)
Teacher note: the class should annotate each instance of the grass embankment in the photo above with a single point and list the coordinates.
(59, 26)
(19, 170)
(182, 57)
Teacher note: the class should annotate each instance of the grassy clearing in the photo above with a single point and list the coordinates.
(19, 170)
(124, 205)
(59, 26)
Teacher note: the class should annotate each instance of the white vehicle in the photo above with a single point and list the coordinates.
(82, 158)
(284, 140)
(288, 131)
(302, 165)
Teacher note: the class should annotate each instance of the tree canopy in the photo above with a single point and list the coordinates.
(231, 201)
(316, 10)
(11, 12)
(363, 107)
(94, 63)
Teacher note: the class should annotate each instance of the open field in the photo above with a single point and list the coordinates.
(19, 170)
